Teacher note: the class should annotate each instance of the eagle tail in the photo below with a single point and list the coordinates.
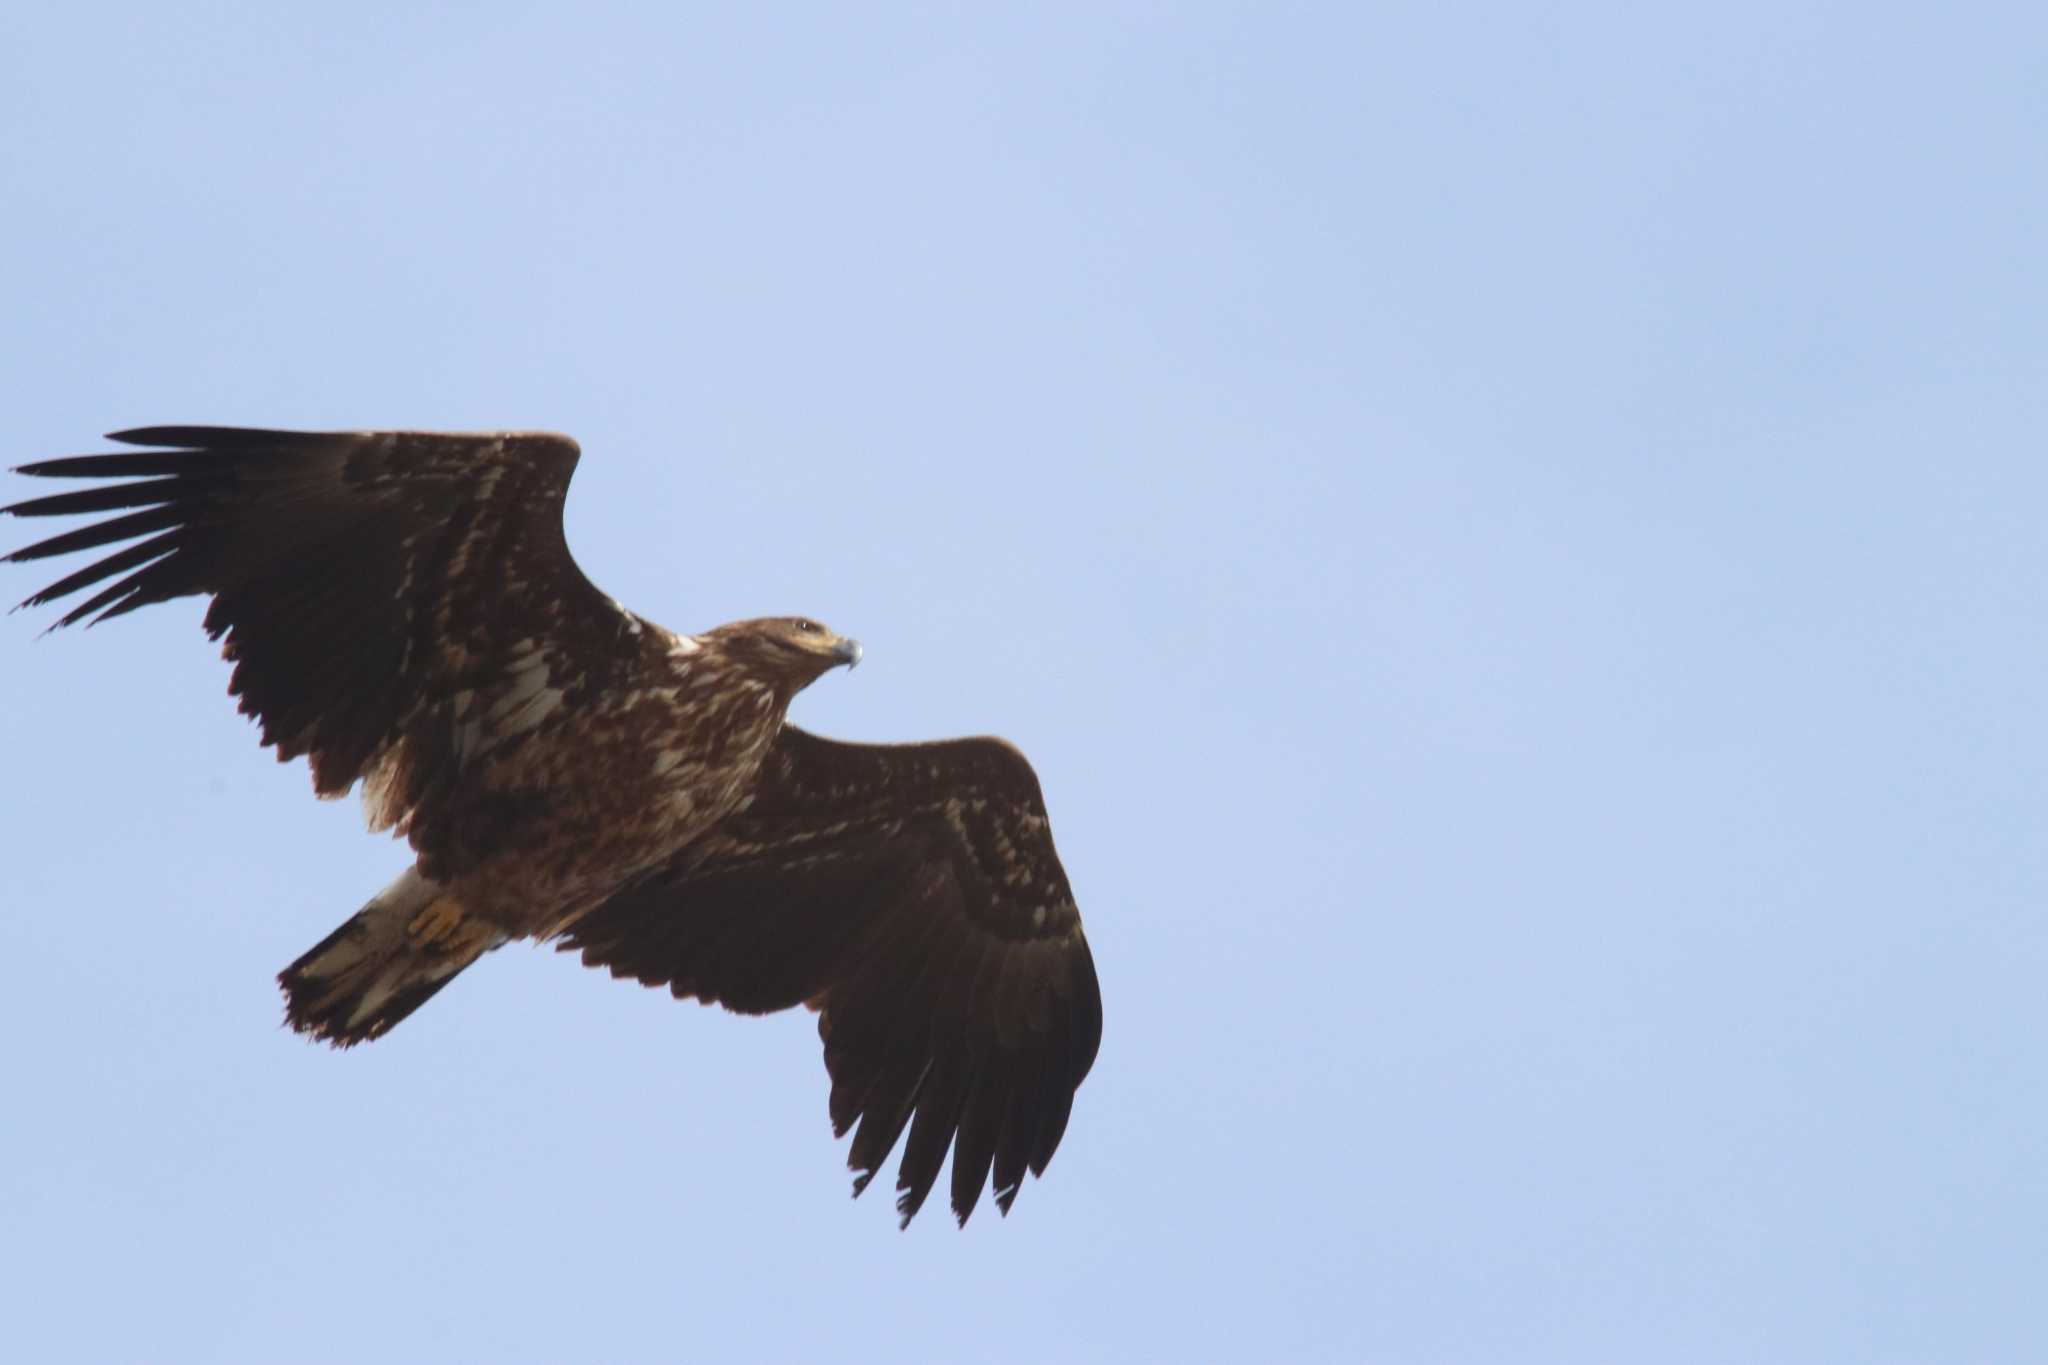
(383, 963)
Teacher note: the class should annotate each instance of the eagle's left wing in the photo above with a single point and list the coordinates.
(909, 893)
(395, 602)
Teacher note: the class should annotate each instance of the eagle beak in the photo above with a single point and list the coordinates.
(847, 652)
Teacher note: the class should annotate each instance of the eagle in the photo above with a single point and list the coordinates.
(402, 611)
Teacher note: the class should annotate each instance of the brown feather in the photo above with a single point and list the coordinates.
(330, 559)
(913, 894)
(401, 610)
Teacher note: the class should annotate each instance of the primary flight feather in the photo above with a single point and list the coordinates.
(401, 609)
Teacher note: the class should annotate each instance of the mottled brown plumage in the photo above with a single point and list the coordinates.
(402, 610)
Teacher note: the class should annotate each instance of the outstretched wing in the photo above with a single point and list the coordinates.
(911, 894)
(389, 599)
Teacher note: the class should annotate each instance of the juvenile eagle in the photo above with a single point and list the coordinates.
(401, 608)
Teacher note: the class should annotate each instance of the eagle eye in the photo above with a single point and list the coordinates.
(805, 626)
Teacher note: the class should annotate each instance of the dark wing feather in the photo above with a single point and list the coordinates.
(911, 894)
(362, 581)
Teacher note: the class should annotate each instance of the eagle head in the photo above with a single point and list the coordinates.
(792, 652)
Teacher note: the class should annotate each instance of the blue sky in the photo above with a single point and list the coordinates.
(1512, 538)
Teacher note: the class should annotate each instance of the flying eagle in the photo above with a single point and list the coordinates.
(402, 610)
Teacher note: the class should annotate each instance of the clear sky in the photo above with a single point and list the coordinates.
(1512, 535)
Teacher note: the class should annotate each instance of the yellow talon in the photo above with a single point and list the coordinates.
(438, 921)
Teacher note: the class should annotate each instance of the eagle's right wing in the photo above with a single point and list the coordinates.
(389, 599)
(910, 893)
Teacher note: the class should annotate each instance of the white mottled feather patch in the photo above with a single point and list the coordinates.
(527, 699)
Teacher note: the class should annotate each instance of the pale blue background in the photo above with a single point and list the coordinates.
(1513, 537)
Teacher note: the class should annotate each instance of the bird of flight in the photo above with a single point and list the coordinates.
(401, 609)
